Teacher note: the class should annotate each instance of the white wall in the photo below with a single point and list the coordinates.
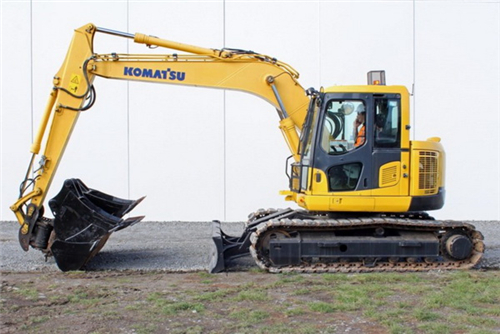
(201, 154)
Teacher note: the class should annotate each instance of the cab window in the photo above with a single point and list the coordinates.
(387, 120)
(306, 142)
(344, 126)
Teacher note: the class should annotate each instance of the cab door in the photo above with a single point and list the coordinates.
(343, 143)
(387, 151)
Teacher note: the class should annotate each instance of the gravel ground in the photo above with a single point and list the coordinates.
(169, 246)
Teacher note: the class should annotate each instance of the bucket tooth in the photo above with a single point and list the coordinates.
(128, 222)
(116, 206)
(83, 220)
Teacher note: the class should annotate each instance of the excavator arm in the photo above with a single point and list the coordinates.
(84, 218)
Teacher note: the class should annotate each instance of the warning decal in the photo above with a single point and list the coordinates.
(74, 83)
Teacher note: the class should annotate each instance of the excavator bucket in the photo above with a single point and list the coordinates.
(84, 219)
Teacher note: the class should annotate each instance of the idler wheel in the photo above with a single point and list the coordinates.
(459, 246)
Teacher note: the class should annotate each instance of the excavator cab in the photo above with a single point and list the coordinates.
(349, 139)
(356, 154)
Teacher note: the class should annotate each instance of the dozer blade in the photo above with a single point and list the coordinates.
(84, 219)
(226, 248)
(217, 256)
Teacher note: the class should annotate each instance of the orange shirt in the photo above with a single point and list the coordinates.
(360, 138)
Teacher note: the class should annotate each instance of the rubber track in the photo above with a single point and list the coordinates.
(404, 223)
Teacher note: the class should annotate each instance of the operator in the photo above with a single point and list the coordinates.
(360, 132)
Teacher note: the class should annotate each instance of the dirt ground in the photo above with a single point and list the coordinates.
(152, 302)
(235, 302)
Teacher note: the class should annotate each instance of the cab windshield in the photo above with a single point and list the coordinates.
(344, 126)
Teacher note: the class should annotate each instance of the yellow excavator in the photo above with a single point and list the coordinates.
(363, 187)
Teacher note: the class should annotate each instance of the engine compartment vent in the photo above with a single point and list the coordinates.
(428, 172)
(389, 174)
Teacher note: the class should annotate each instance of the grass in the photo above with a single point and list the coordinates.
(425, 315)
(144, 329)
(250, 316)
(443, 302)
(29, 293)
(175, 308)
(217, 295)
(251, 295)
(456, 302)
(322, 307)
